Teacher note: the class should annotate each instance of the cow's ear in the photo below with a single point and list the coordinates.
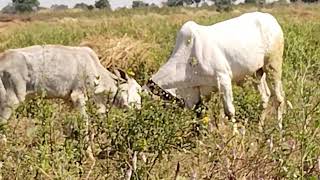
(121, 74)
(197, 46)
(109, 69)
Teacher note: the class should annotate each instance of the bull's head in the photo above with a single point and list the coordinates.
(185, 65)
(128, 93)
(183, 73)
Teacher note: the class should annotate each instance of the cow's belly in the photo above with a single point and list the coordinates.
(59, 81)
(52, 91)
(243, 67)
(56, 86)
(244, 51)
(193, 95)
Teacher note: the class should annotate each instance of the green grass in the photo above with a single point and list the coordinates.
(45, 138)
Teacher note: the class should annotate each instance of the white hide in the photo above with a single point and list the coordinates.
(61, 72)
(208, 57)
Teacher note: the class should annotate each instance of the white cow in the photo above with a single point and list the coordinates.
(209, 57)
(61, 72)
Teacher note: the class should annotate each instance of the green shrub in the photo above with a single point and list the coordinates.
(46, 138)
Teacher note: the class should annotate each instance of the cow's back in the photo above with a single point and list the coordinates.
(58, 69)
(245, 40)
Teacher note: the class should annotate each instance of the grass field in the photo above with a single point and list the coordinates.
(45, 138)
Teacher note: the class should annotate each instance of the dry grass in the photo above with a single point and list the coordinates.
(123, 52)
(140, 41)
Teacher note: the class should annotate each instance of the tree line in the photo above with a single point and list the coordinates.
(33, 5)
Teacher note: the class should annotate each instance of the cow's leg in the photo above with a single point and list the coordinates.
(225, 87)
(265, 94)
(273, 69)
(279, 94)
(101, 108)
(5, 113)
(263, 88)
(12, 92)
(8, 106)
(79, 101)
(99, 100)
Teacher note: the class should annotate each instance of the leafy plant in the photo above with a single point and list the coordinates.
(45, 138)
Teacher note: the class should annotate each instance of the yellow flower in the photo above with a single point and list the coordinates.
(205, 120)
(130, 72)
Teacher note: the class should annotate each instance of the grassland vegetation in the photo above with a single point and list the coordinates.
(45, 138)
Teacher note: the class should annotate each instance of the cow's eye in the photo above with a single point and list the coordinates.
(189, 40)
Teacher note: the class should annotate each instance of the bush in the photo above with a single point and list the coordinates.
(251, 1)
(137, 4)
(25, 5)
(9, 9)
(181, 2)
(59, 7)
(83, 6)
(102, 4)
(223, 5)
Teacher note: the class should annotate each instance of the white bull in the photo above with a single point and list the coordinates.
(209, 57)
(61, 72)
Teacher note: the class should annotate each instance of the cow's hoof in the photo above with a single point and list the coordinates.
(235, 130)
(3, 140)
(231, 118)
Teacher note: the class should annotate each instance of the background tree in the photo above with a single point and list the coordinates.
(197, 2)
(172, 3)
(58, 7)
(25, 5)
(8, 9)
(83, 6)
(182, 2)
(102, 4)
(224, 5)
(138, 3)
